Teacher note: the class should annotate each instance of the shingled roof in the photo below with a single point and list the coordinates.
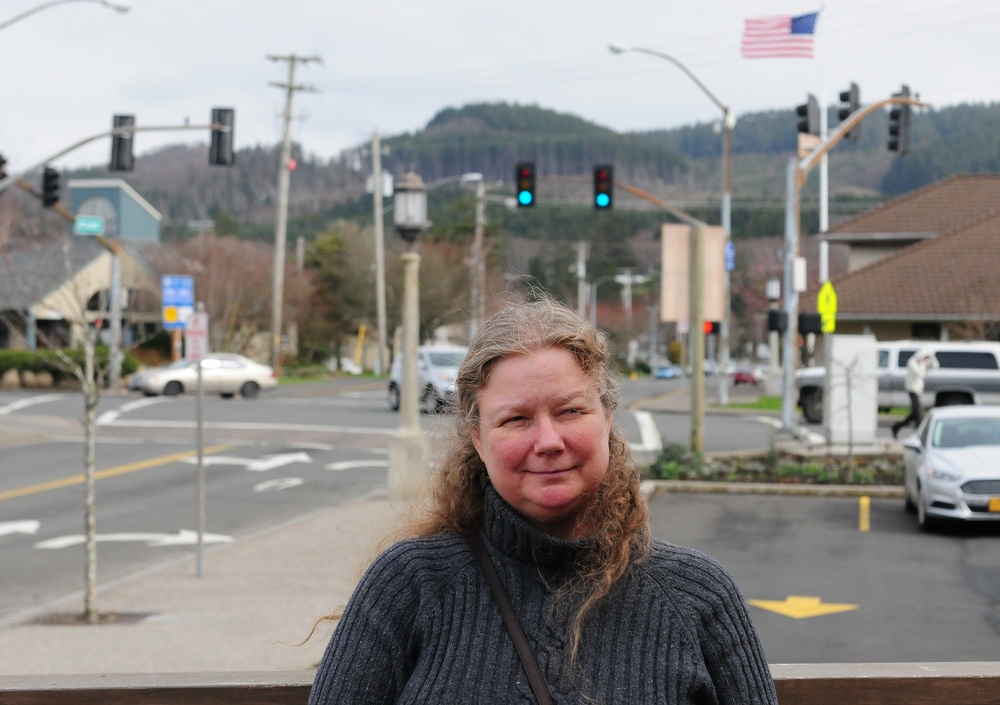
(946, 206)
(951, 274)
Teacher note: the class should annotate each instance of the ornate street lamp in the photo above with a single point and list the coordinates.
(407, 449)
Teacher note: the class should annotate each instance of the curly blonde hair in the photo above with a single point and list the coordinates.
(459, 486)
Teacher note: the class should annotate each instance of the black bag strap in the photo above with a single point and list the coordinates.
(535, 677)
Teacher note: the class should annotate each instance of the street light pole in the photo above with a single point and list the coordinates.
(728, 123)
(44, 6)
(407, 449)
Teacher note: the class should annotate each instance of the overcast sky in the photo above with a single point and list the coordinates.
(390, 66)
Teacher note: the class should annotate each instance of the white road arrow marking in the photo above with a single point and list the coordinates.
(109, 417)
(184, 537)
(268, 462)
(354, 464)
(30, 401)
(28, 526)
(649, 435)
(281, 483)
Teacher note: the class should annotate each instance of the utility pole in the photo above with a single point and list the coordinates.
(581, 278)
(477, 282)
(278, 279)
(382, 359)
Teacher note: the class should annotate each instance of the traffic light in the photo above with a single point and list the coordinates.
(604, 187)
(220, 152)
(809, 116)
(899, 125)
(711, 327)
(50, 187)
(524, 177)
(810, 323)
(850, 101)
(121, 144)
(777, 321)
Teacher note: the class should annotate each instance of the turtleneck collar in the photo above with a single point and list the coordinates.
(511, 533)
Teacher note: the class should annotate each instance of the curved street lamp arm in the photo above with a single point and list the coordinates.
(652, 52)
(52, 3)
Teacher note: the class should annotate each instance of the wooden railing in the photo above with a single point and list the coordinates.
(958, 683)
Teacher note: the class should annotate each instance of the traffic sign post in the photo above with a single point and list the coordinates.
(177, 294)
(196, 348)
(196, 336)
(826, 305)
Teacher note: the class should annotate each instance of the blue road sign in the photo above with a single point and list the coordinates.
(177, 293)
(730, 256)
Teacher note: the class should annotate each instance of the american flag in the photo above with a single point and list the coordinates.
(779, 37)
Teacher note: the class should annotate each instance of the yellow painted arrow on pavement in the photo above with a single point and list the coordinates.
(802, 607)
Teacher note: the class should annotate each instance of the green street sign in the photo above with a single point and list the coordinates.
(88, 225)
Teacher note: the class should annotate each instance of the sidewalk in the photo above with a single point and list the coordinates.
(258, 597)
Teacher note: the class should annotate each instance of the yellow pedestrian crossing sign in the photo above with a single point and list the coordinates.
(826, 304)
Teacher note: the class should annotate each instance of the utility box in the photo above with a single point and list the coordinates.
(850, 400)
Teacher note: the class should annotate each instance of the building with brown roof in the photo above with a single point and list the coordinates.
(925, 265)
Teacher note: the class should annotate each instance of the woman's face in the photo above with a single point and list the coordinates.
(543, 436)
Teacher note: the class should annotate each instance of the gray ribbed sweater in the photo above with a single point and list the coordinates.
(423, 627)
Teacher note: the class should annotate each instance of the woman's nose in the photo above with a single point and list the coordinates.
(548, 438)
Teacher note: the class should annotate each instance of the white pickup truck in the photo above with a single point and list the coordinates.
(969, 373)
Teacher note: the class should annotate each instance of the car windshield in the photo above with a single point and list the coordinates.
(447, 359)
(961, 433)
(179, 364)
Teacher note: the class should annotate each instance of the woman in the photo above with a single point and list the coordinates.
(540, 470)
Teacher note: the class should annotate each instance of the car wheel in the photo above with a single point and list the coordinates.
(812, 406)
(173, 389)
(393, 397)
(249, 390)
(924, 521)
(908, 503)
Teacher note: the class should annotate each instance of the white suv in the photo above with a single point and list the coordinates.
(437, 368)
(969, 373)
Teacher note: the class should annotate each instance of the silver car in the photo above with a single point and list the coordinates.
(952, 465)
(226, 374)
(437, 368)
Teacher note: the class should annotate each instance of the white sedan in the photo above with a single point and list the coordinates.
(952, 465)
(226, 374)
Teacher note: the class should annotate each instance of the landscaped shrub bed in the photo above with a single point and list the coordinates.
(46, 361)
(677, 463)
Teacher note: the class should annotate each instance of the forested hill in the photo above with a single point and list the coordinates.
(682, 165)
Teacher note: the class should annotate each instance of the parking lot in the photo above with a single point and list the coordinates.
(825, 592)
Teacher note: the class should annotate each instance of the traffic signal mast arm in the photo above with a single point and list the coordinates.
(806, 164)
(11, 180)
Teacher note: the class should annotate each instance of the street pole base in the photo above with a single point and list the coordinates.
(408, 468)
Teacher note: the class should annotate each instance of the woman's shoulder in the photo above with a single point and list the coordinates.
(687, 569)
(422, 558)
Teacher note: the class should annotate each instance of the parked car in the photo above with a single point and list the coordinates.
(746, 375)
(667, 372)
(226, 374)
(437, 368)
(952, 465)
(969, 374)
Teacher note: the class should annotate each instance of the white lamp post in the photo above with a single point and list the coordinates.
(407, 449)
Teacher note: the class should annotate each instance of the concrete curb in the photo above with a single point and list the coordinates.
(653, 488)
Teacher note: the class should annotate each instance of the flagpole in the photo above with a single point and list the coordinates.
(824, 170)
